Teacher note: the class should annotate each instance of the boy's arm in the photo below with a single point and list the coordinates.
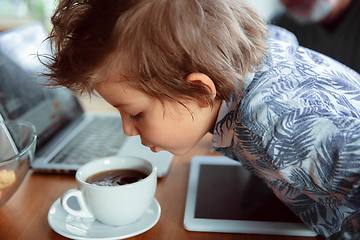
(316, 170)
(349, 228)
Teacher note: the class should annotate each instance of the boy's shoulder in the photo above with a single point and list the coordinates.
(290, 55)
(281, 34)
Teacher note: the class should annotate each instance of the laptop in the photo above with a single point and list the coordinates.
(67, 137)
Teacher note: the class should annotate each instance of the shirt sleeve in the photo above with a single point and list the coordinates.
(313, 166)
(281, 34)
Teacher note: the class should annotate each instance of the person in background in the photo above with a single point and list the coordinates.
(331, 27)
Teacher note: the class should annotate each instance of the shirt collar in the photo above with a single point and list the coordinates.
(223, 131)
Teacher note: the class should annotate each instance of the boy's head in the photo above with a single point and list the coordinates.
(155, 44)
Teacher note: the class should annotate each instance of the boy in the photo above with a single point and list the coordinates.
(176, 69)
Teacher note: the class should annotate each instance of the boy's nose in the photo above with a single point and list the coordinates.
(129, 128)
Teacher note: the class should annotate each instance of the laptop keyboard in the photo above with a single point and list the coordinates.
(102, 137)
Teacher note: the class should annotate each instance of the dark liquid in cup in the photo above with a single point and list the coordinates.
(116, 177)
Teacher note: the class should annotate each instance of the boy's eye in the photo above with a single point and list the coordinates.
(135, 117)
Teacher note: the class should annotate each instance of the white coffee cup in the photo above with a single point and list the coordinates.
(113, 205)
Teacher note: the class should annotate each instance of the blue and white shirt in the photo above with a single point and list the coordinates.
(296, 124)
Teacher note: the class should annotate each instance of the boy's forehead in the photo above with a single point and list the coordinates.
(109, 83)
(120, 94)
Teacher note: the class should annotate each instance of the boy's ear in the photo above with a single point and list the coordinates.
(202, 79)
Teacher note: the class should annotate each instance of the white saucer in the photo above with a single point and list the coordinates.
(74, 227)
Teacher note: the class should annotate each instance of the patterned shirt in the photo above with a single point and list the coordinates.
(296, 124)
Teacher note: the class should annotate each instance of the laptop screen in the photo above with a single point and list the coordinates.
(22, 97)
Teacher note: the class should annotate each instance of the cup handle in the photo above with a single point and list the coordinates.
(83, 212)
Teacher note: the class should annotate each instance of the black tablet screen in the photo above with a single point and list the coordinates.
(233, 193)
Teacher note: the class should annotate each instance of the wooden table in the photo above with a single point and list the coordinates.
(25, 215)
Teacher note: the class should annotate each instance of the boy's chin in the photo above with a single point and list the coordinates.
(180, 152)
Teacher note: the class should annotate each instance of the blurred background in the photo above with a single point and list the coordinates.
(19, 12)
(14, 13)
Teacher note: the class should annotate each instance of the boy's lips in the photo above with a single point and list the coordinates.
(153, 149)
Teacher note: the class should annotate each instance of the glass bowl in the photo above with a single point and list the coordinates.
(17, 149)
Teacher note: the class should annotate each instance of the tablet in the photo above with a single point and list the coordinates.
(222, 196)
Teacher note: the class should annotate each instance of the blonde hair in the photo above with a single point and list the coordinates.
(155, 44)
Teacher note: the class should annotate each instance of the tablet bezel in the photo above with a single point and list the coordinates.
(231, 226)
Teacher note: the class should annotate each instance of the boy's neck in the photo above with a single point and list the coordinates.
(214, 115)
